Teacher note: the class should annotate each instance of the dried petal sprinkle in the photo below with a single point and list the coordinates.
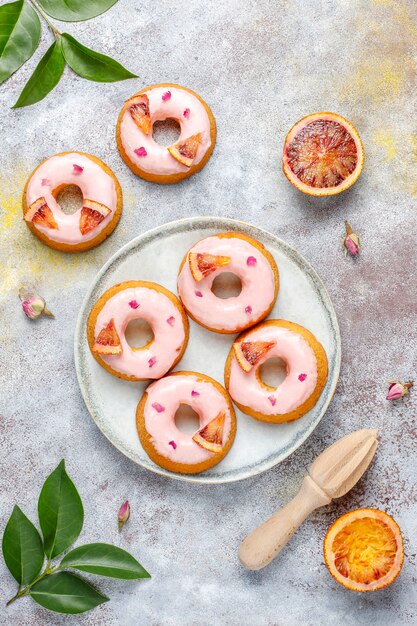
(140, 152)
(134, 304)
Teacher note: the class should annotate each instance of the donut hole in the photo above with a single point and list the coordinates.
(166, 132)
(186, 419)
(226, 285)
(139, 333)
(273, 372)
(69, 198)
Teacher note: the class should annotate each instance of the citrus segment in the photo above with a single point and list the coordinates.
(211, 436)
(92, 214)
(39, 213)
(323, 154)
(201, 265)
(139, 111)
(185, 151)
(249, 353)
(363, 550)
(108, 341)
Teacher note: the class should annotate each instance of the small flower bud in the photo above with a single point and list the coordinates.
(397, 389)
(123, 514)
(351, 241)
(33, 306)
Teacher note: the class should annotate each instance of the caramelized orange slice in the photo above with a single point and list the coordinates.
(92, 214)
(364, 550)
(108, 341)
(39, 213)
(249, 353)
(185, 151)
(210, 437)
(201, 264)
(323, 154)
(139, 110)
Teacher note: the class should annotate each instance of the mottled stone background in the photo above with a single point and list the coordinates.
(261, 65)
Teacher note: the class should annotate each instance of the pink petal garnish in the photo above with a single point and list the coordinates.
(133, 304)
(45, 181)
(302, 377)
(166, 96)
(152, 361)
(158, 407)
(272, 400)
(77, 169)
(198, 294)
(194, 393)
(173, 444)
(187, 113)
(141, 152)
(171, 320)
(248, 310)
(251, 261)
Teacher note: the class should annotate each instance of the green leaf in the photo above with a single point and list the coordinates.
(75, 10)
(104, 559)
(20, 31)
(66, 593)
(22, 548)
(45, 77)
(90, 64)
(60, 511)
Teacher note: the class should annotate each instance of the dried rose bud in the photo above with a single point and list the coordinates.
(397, 390)
(351, 241)
(123, 514)
(33, 305)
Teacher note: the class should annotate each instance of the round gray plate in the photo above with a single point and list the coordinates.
(156, 256)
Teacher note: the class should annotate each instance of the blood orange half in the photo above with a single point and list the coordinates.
(364, 550)
(323, 154)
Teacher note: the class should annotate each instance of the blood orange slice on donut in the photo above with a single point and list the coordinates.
(323, 154)
(108, 341)
(139, 110)
(211, 436)
(39, 213)
(364, 550)
(249, 353)
(201, 264)
(185, 151)
(92, 214)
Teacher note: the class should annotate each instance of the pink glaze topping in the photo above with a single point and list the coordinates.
(170, 392)
(155, 359)
(258, 285)
(72, 169)
(153, 157)
(297, 387)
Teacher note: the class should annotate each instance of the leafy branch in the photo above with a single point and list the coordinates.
(20, 32)
(61, 517)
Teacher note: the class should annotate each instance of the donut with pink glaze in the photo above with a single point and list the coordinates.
(237, 254)
(173, 449)
(120, 305)
(147, 158)
(306, 365)
(100, 210)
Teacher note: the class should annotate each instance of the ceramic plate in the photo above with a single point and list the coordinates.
(156, 256)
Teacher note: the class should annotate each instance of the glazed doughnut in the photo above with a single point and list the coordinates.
(123, 303)
(93, 222)
(173, 449)
(306, 363)
(144, 155)
(240, 255)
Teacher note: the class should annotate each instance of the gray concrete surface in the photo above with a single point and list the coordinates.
(261, 66)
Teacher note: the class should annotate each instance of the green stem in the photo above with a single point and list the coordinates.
(45, 17)
(24, 591)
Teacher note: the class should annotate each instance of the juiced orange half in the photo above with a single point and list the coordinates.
(364, 550)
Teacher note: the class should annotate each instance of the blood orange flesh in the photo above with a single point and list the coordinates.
(39, 213)
(202, 264)
(364, 550)
(92, 214)
(323, 154)
(108, 341)
(210, 436)
(249, 353)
